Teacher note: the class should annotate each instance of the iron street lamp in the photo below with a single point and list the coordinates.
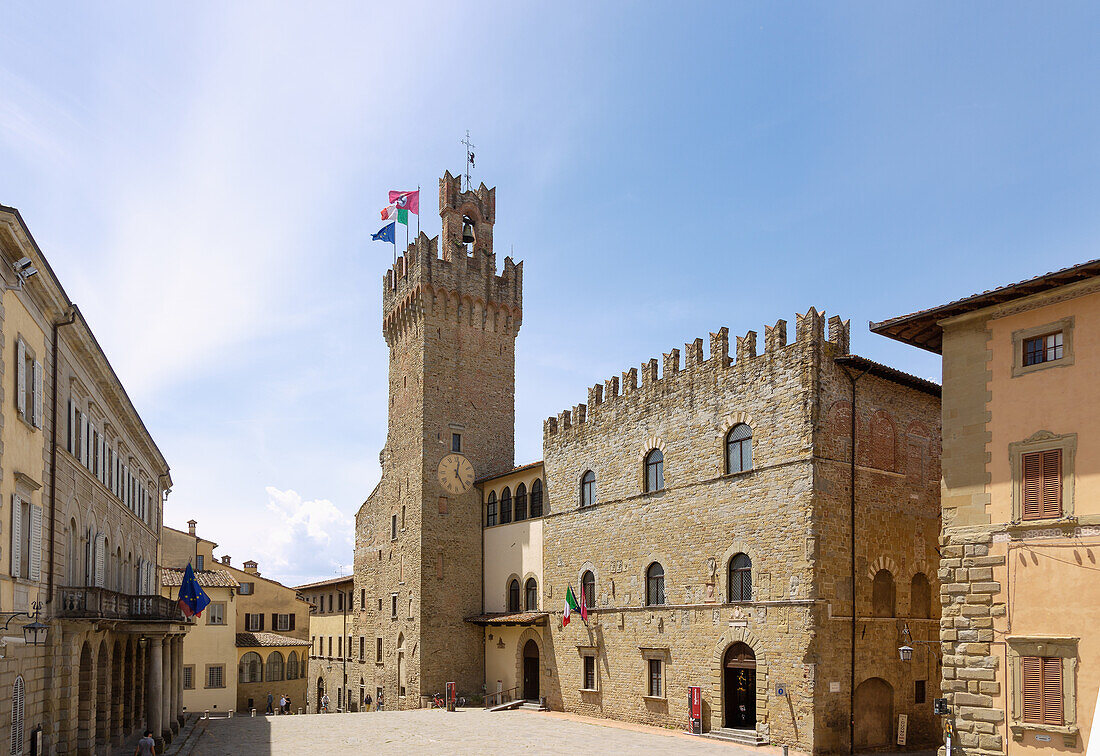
(34, 633)
(905, 651)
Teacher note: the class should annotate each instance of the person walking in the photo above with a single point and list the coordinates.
(367, 702)
(288, 705)
(146, 746)
(324, 704)
(282, 704)
(270, 703)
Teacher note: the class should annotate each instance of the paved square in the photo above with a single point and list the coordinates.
(470, 731)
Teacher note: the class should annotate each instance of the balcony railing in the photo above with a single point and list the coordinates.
(100, 603)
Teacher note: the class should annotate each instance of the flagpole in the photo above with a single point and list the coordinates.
(418, 211)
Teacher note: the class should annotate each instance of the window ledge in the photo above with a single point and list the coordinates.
(1027, 526)
(1068, 732)
(657, 699)
(588, 690)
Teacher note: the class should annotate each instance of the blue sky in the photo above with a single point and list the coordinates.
(204, 179)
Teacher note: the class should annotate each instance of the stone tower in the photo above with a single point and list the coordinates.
(450, 322)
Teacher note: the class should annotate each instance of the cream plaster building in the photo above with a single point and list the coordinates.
(335, 655)
(83, 485)
(1021, 510)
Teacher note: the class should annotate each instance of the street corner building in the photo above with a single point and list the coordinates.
(1021, 509)
(336, 655)
(82, 486)
(759, 523)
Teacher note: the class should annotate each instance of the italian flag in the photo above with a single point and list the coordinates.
(571, 605)
(393, 212)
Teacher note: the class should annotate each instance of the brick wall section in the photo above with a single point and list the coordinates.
(450, 322)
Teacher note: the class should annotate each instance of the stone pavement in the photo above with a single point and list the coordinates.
(470, 731)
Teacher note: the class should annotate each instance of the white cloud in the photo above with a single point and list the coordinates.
(304, 540)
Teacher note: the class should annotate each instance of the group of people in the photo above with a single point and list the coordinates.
(367, 703)
(284, 704)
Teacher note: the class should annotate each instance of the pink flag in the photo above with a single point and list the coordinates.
(406, 200)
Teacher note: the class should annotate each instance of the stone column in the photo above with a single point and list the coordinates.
(154, 706)
(166, 689)
(173, 681)
(178, 690)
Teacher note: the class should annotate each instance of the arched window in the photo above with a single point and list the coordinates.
(75, 575)
(513, 596)
(17, 692)
(491, 509)
(292, 666)
(654, 470)
(882, 594)
(655, 585)
(588, 588)
(531, 595)
(739, 449)
(505, 505)
(740, 578)
(521, 502)
(250, 669)
(588, 489)
(275, 666)
(920, 597)
(536, 498)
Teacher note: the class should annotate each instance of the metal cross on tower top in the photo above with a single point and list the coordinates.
(469, 158)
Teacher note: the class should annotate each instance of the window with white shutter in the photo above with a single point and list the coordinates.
(89, 558)
(37, 419)
(83, 452)
(21, 377)
(70, 438)
(16, 535)
(18, 692)
(100, 561)
(35, 543)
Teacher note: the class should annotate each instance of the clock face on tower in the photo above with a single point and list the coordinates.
(455, 474)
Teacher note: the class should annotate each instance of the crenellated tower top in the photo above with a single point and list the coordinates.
(444, 274)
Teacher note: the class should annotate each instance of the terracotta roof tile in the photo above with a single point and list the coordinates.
(320, 583)
(169, 576)
(258, 640)
(510, 618)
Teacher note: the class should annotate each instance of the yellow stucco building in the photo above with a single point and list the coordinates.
(1021, 509)
(255, 631)
(334, 651)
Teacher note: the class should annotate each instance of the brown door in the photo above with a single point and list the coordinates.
(531, 671)
(739, 678)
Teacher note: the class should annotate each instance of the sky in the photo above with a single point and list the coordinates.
(204, 179)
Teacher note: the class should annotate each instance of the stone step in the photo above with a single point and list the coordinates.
(533, 706)
(507, 706)
(741, 737)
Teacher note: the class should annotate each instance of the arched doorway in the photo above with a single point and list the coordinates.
(85, 736)
(874, 713)
(320, 693)
(102, 698)
(531, 671)
(739, 679)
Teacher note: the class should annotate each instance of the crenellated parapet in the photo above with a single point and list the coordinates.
(440, 277)
(809, 333)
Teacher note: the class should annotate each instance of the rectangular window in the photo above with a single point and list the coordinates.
(330, 645)
(362, 649)
(312, 644)
(393, 605)
(1040, 349)
(340, 601)
(254, 623)
(215, 676)
(200, 562)
(1042, 484)
(1042, 689)
(393, 527)
(340, 646)
(377, 650)
(589, 672)
(362, 598)
(656, 683)
(456, 442)
(245, 589)
(189, 677)
(215, 613)
(282, 623)
(918, 691)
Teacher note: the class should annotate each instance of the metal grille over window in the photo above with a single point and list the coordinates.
(588, 586)
(740, 578)
(655, 585)
(739, 449)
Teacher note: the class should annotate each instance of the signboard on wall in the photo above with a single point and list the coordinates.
(903, 725)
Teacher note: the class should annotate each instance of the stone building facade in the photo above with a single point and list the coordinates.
(1021, 518)
(336, 654)
(83, 487)
(703, 509)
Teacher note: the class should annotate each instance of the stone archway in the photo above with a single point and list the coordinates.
(320, 692)
(529, 683)
(748, 644)
(739, 687)
(85, 723)
(528, 636)
(102, 698)
(874, 713)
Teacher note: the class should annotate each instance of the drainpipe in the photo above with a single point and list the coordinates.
(56, 325)
(852, 508)
(347, 650)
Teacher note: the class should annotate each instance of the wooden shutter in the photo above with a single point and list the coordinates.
(1052, 483)
(247, 621)
(274, 622)
(17, 716)
(36, 543)
(16, 533)
(291, 621)
(21, 377)
(1052, 690)
(100, 565)
(261, 621)
(37, 420)
(83, 439)
(1032, 485)
(72, 427)
(1031, 669)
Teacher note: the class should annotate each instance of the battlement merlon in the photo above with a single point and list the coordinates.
(809, 331)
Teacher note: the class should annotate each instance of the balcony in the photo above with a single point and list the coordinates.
(100, 603)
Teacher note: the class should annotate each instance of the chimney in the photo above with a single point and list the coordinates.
(225, 559)
(191, 526)
(250, 567)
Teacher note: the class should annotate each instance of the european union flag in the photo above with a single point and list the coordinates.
(384, 234)
(192, 598)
